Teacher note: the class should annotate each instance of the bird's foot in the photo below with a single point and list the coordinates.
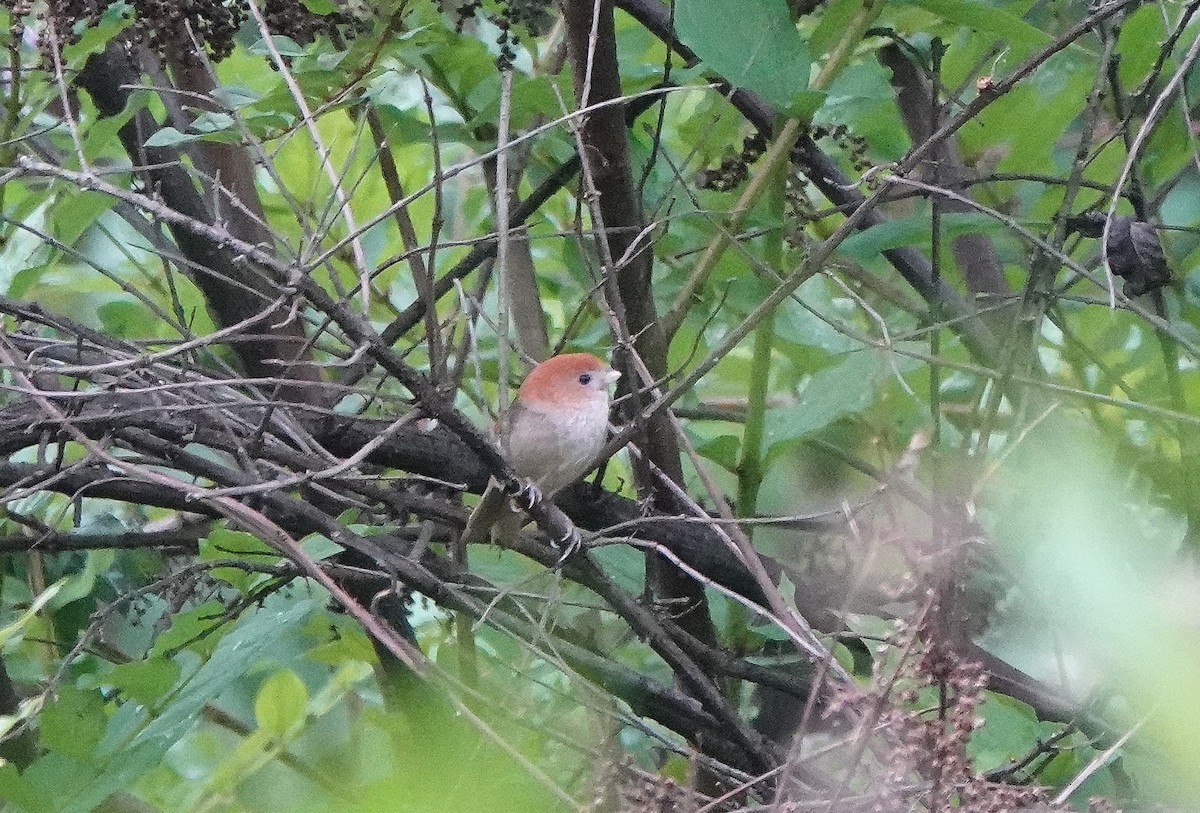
(569, 544)
(530, 494)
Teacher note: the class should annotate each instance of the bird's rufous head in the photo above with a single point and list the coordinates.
(569, 380)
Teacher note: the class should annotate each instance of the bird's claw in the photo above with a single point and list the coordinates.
(568, 544)
(523, 491)
(531, 494)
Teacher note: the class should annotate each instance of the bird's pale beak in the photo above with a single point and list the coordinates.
(611, 376)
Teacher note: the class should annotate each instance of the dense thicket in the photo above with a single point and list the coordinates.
(904, 503)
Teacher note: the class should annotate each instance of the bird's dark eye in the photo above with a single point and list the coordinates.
(585, 378)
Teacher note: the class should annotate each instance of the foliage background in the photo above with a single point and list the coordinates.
(908, 516)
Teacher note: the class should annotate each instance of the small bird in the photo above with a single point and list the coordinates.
(552, 432)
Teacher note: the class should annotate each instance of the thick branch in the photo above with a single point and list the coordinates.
(592, 52)
(973, 252)
(234, 291)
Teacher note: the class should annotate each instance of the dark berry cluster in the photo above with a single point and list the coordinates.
(733, 169)
(623, 788)
(182, 27)
(511, 17)
(291, 18)
(851, 144)
(465, 13)
(176, 27)
(64, 14)
(800, 210)
(18, 9)
(515, 15)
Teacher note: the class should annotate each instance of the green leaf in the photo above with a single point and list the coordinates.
(237, 577)
(347, 647)
(500, 566)
(234, 97)
(73, 722)
(78, 788)
(243, 646)
(103, 136)
(349, 674)
(832, 25)
(25, 247)
(122, 317)
(530, 98)
(805, 104)
(751, 43)
(169, 137)
(18, 791)
(769, 632)
(1141, 33)
(865, 245)
(322, 7)
(187, 628)
(805, 327)
(224, 544)
(832, 393)
(982, 17)
(212, 122)
(146, 681)
(1010, 726)
(59, 780)
(94, 38)
(330, 61)
(722, 450)
(286, 46)
(843, 655)
(625, 565)
(319, 546)
(80, 585)
(75, 213)
(281, 703)
(7, 633)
